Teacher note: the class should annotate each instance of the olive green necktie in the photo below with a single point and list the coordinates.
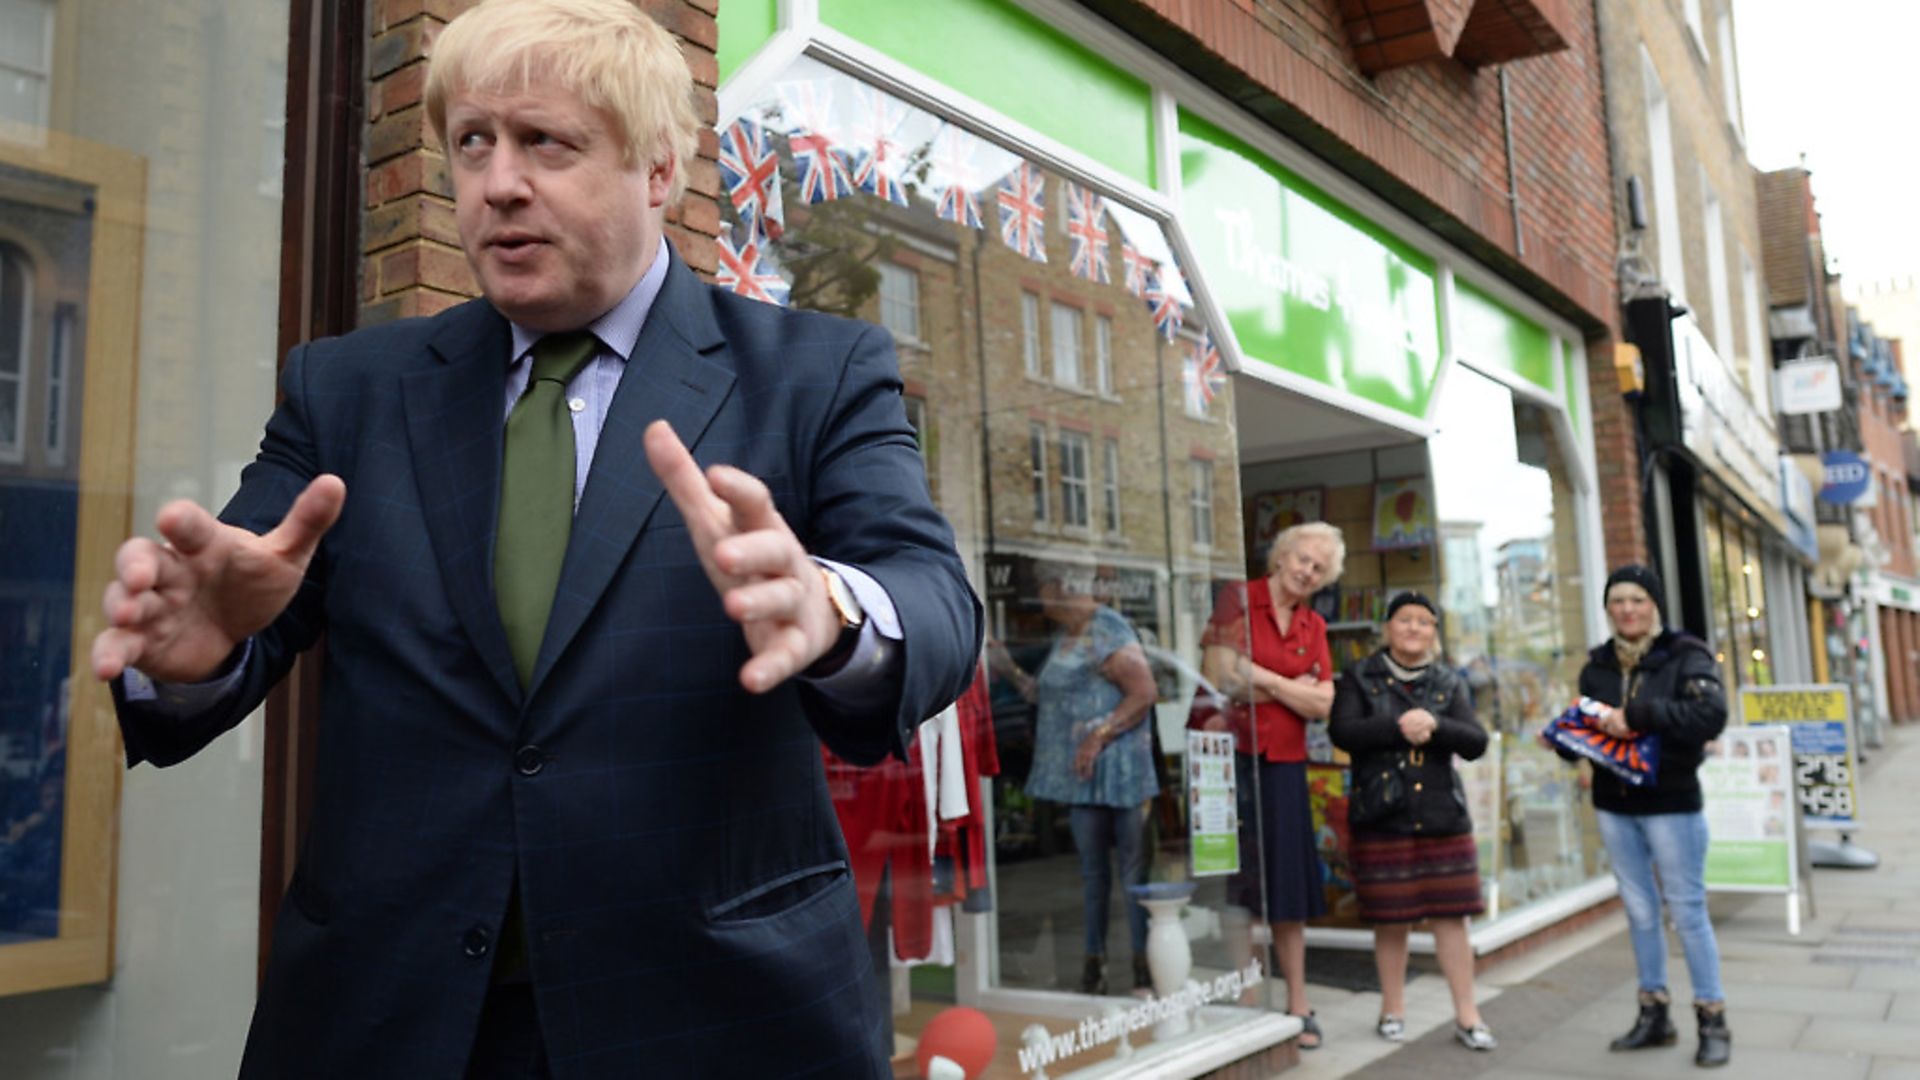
(536, 495)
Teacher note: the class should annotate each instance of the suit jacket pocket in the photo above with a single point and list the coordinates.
(784, 895)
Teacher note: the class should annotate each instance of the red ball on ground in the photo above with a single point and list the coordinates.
(961, 1035)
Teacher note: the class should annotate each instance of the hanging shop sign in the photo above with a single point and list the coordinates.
(1807, 386)
(1796, 501)
(1848, 477)
(1820, 719)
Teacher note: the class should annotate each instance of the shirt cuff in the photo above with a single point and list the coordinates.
(881, 614)
(186, 699)
(863, 682)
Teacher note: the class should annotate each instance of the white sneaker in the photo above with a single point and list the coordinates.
(1476, 1037)
(1391, 1028)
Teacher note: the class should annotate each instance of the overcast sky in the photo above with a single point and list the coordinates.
(1839, 81)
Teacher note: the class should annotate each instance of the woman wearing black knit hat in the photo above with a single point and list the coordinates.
(1404, 718)
(1662, 683)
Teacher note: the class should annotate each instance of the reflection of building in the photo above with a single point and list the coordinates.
(1523, 576)
(1463, 589)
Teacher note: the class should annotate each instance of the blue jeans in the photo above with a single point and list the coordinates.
(1095, 829)
(1659, 856)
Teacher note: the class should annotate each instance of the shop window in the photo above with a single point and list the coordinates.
(26, 61)
(16, 311)
(1026, 332)
(1073, 479)
(900, 302)
(1200, 483)
(1066, 346)
(1110, 483)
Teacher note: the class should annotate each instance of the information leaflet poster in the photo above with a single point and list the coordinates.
(1212, 817)
(1823, 753)
(1748, 784)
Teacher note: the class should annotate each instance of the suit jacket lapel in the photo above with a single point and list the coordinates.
(454, 427)
(667, 378)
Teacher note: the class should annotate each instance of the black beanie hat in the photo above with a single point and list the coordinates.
(1635, 574)
(1402, 599)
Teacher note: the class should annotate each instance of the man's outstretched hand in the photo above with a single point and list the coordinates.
(177, 609)
(765, 579)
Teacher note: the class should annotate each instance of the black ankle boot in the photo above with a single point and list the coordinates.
(1716, 1042)
(1652, 1028)
(1093, 977)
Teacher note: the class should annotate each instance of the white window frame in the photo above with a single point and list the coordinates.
(1696, 25)
(41, 74)
(1037, 468)
(900, 302)
(1729, 71)
(1064, 324)
(66, 323)
(1110, 483)
(1103, 355)
(1719, 290)
(14, 451)
(1759, 341)
(1030, 333)
(1200, 501)
(1076, 480)
(1666, 192)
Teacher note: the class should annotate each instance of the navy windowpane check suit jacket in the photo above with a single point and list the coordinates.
(688, 906)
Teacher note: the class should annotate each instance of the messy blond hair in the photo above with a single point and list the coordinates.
(1294, 535)
(609, 53)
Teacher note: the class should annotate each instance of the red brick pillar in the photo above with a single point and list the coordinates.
(412, 263)
(1616, 461)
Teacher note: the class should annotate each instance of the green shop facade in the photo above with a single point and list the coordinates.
(1140, 333)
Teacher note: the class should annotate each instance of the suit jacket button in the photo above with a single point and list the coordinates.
(529, 761)
(476, 942)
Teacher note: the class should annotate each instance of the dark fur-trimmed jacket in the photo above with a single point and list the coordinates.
(1365, 722)
(1673, 692)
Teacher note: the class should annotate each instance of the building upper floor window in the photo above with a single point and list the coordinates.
(1110, 475)
(1030, 333)
(1103, 355)
(1074, 452)
(26, 61)
(900, 301)
(16, 307)
(1037, 468)
(1200, 500)
(1066, 345)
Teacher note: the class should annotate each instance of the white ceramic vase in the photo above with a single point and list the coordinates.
(1169, 958)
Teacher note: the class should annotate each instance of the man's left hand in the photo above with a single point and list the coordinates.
(765, 579)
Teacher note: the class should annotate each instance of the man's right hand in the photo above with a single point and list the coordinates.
(177, 609)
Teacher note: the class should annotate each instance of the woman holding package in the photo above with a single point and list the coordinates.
(1662, 684)
(1404, 718)
(1266, 647)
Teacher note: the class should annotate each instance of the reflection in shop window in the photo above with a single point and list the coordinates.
(59, 365)
(1200, 472)
(1103, 355)
(900, 301)
(1073, 479)
(917, 417)
(1066, 345)
(1110, 485)
(16, 307)
(1030, 332)
(1037, 454)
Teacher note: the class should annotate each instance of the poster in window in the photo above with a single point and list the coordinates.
(70, 235)
(1402, 515)
(1274, 511)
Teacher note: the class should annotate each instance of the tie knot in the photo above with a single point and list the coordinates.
(559, 357)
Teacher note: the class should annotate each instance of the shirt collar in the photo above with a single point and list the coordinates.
(619, 329)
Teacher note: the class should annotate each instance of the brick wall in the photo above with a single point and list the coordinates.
(412, 260)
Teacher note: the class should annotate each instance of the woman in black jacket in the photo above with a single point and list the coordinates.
(1664, 683)
(1404, 719)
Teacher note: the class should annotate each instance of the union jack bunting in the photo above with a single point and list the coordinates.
(1138, 268)
(821, 162)
(1209, 377)
(1087, 233)
(746, 271)
(750, 175)
(1167, 315)
(953, 166)
(1022, 196)
(876, 156)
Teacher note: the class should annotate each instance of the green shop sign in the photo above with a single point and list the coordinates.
(1309, 286)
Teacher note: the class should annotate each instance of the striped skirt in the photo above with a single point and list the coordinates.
(1401, 879)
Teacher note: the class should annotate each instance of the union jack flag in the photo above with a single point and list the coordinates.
(750, 174)
(1086, 232)
(953, 163)
(1138, 268)
(1022, 196)
(822, 164)
(1205, 377)
(746, 271)
(1167, 315)
(876, 156)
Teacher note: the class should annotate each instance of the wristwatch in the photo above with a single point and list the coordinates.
(852, 618)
